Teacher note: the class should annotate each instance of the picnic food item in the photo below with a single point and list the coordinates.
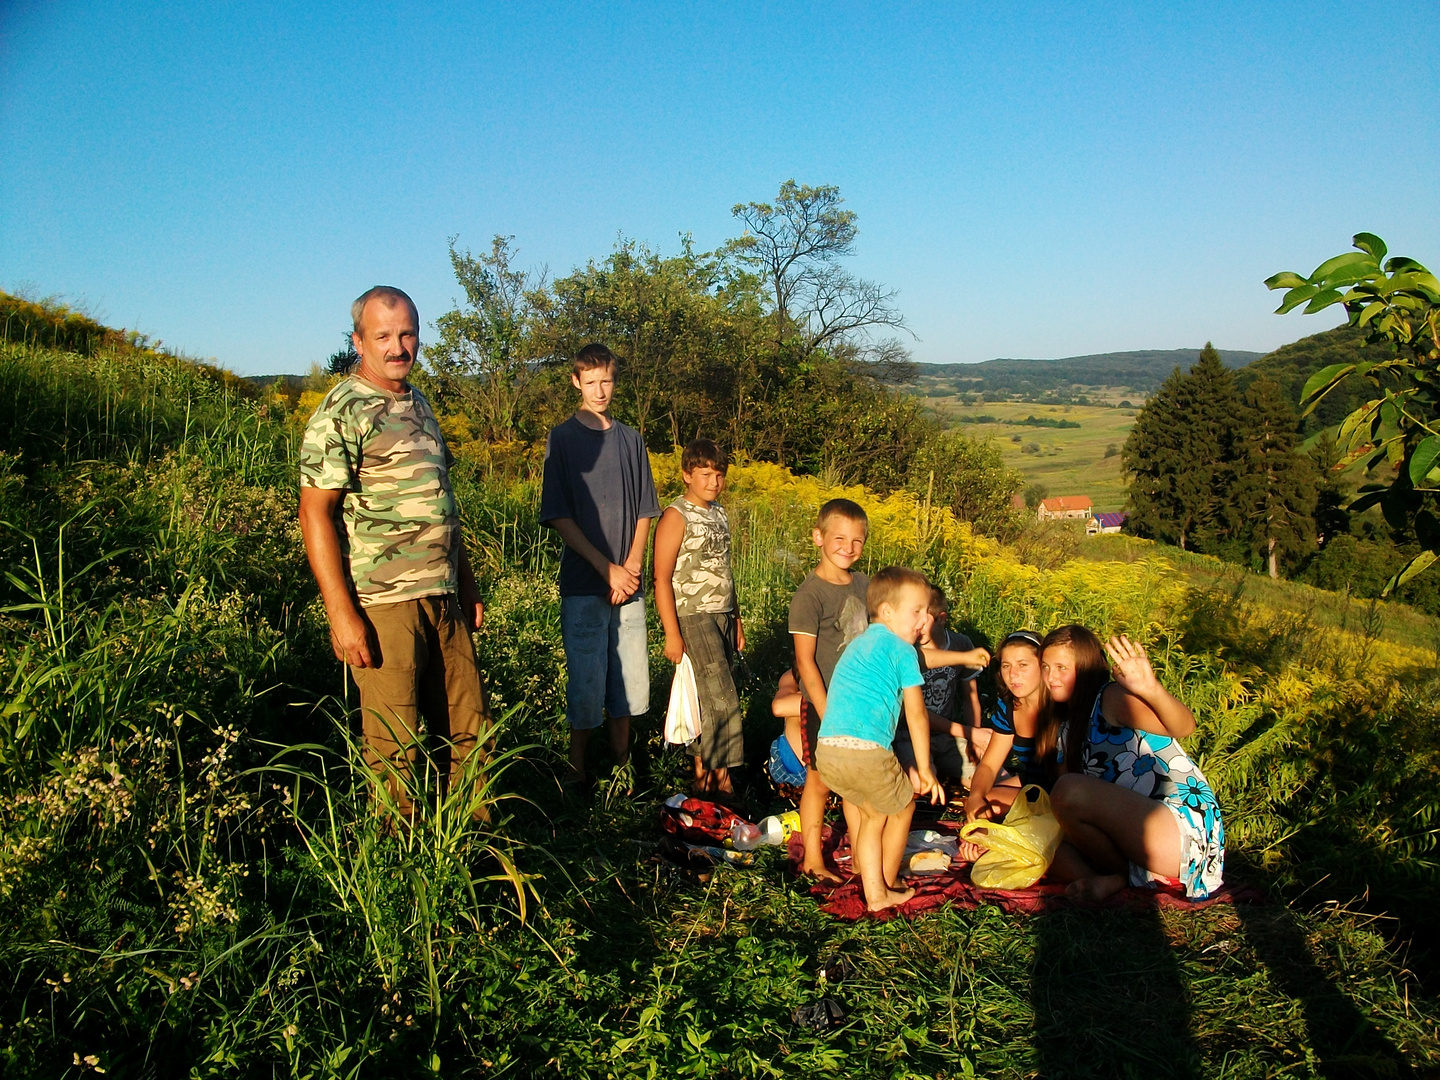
(1018, 850)
(930, 861)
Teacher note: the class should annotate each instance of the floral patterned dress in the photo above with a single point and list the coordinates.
(1157, 767)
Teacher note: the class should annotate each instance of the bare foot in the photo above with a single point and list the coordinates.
(1095, 890)
(892, 898)
(821, 872)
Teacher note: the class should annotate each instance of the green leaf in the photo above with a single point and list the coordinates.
(1286, 279)
(1422, 460)
(1415, 566)
(1349, 275)
(1370, 311)
(1326, 377)
(1321, 300)
(1370, 244)
(1365, 501)
(1350, 258)
(1295, 297)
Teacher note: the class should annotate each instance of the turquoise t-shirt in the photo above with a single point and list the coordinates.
(864, 697)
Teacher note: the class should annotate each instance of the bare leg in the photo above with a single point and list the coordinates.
(812, 827)
(620, 739)
(579, 742)
(892, 843)
(701, 784)
(720, 782)
(867, 844)
(1111, 827)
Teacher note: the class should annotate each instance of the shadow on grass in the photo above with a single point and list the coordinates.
(1109, 998)
(1344, 1042)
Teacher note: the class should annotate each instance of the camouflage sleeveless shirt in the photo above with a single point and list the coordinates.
(702, 568)
(399, 529)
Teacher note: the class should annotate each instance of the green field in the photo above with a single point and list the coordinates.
(1070, 461)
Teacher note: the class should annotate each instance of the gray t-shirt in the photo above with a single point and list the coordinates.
(834, 615)
(601, 480)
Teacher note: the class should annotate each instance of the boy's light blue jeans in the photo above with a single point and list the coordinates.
(606, 657)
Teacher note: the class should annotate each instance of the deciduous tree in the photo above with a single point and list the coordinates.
(1397, 302)
(795, 245)
(484, 360)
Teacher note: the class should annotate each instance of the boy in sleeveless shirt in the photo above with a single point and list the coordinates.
(695, 598)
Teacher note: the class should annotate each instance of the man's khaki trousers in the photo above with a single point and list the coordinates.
(423, 681)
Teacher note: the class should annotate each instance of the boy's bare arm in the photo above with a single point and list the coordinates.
(622, 580)
(970, 703)
(636, 559)
(809, 671)
(668, 536)
(917, 719)
(968, 658)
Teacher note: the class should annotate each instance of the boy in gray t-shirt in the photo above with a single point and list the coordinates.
(826, 613)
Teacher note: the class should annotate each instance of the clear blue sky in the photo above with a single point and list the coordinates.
(1034, 180)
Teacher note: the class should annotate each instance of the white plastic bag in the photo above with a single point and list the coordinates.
(682, 718)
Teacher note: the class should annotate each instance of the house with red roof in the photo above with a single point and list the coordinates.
(1064, 507)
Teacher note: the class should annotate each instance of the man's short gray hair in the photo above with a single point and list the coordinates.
(387, 295)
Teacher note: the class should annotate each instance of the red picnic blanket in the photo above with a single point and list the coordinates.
(952, 887)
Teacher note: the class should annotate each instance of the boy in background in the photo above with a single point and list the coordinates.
(695, 598)
(951, 664)
(877, 674)
(599, 495)
(827, 612)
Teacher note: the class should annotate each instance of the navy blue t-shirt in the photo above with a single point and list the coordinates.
(601, 480)
(1023, 760)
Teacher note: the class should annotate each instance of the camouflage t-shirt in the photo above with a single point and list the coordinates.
(702, 567)
(399, 527)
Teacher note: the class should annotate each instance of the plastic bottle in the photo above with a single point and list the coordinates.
(778, 828)
(772, 831)
(745, 836)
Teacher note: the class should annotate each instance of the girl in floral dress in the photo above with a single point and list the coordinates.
(1134, 807)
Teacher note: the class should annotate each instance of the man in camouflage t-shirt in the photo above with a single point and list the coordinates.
(383, 536)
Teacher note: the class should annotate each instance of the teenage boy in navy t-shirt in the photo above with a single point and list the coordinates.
(599, 495)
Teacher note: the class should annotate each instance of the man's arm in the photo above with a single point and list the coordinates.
(471, 606)
(621, 579)
(349, 636)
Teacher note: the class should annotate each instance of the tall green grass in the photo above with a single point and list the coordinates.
(196, 880)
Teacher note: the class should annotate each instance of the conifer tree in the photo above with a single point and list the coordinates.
(1275, 486)
(1180, 457)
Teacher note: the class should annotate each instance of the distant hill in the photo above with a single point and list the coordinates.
(1141, 371)
(1291, 365)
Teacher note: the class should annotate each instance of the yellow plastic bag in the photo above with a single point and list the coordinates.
(1018, 850)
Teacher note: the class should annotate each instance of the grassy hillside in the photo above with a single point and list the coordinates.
(194, 883)
(1068, 461)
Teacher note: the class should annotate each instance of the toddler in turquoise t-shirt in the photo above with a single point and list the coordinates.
(876, 675)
